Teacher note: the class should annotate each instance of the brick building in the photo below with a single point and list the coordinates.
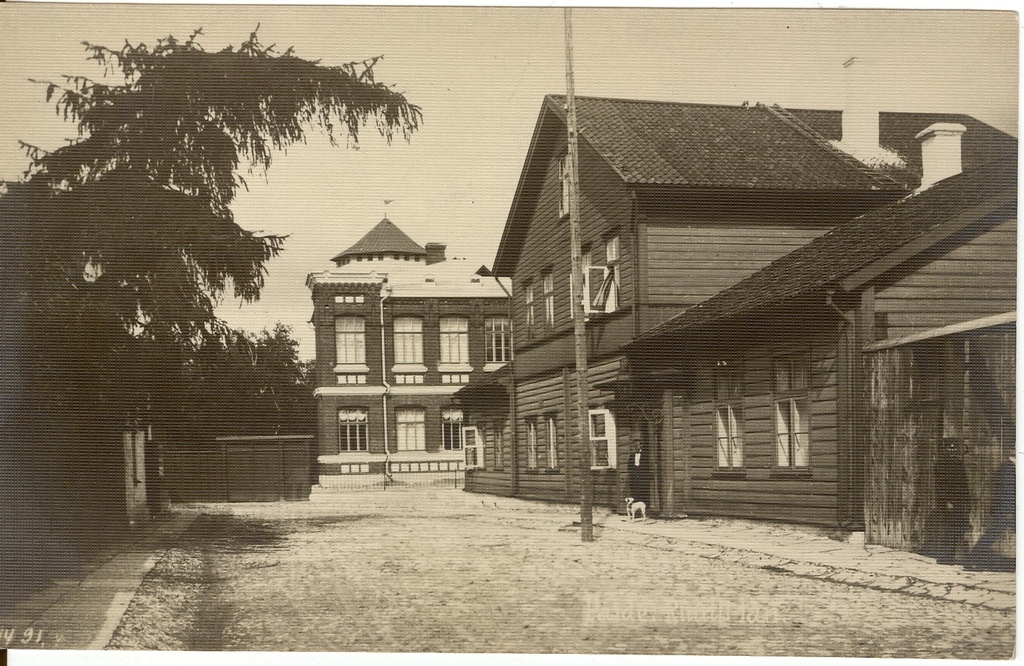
(399, 329)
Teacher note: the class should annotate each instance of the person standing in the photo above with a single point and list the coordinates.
(983, 555)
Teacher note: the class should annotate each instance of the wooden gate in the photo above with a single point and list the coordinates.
(243, 469)
(922, 398)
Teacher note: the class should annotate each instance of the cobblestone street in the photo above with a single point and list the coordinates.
(439, 570)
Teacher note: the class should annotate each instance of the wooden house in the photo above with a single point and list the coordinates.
(856, 381)
(678, 203)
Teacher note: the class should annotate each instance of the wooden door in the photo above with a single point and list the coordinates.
(134, 442)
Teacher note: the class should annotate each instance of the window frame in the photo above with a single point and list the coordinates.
(529, 298)
(791, 406)
(476, 448)
(417, 427)
(610, 438)
(531, 444)
(362, 438)
(548, 292)
(409, 338)
(497, 339)
(551, 439)
(451, 426)
(457, 340)
(728, 425)
(564, 179)
(607, 298)
(355, 341)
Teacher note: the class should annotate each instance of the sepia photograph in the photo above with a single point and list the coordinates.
(500, 330)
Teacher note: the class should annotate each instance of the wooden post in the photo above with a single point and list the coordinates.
(579, 323)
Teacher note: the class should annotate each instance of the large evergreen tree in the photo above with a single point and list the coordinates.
(116, 246)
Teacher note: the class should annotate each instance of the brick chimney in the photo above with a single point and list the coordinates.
(940, 152)
(435, 253)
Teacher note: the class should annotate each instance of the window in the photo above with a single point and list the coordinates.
(454, 378)
(498, 339)
(552, 437)
(549, 299)
(410, 422)
(564, 178)
(352, 430)
(529, 305)
(473, 451)
(408, 340)
(585, 292)
(408, 378)
(729, 415)
(350, 299)
(350, 339)
(531, 444)
(792, 412)
(451, 429)
(602, 439)
(607, 297)
(351, 379)
(454, 340)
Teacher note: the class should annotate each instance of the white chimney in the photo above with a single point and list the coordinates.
(860, 115)
(940, 152)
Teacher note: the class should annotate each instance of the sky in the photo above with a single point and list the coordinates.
(479, 75)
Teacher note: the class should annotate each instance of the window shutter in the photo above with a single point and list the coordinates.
(722, 435)
(737, 439)
(471, 447)
(782, 432)
(612, 440)
(801, 450)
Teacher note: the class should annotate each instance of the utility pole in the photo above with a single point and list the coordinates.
(579, 321)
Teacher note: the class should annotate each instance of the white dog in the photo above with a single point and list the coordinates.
(633, 508)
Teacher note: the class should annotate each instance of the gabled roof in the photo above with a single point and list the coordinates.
(384, 238)
(750, 147)
(945, 207)
(707, 145)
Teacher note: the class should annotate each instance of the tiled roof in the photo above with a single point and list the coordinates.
(846, 249)
(704, 145)
(384, 238)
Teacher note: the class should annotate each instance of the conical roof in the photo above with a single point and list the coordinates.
(385, 238)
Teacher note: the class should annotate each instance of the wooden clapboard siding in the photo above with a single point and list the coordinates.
(541, 485)
(535, 400)
(763, 491)
(680, 441)
(489, 482)
(689, 261)
(605, 209)
(493, 478)
(972, 275)
(607, 483)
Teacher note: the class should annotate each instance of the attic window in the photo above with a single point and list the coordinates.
(563, 179)
(475, 280)
(429, 278)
